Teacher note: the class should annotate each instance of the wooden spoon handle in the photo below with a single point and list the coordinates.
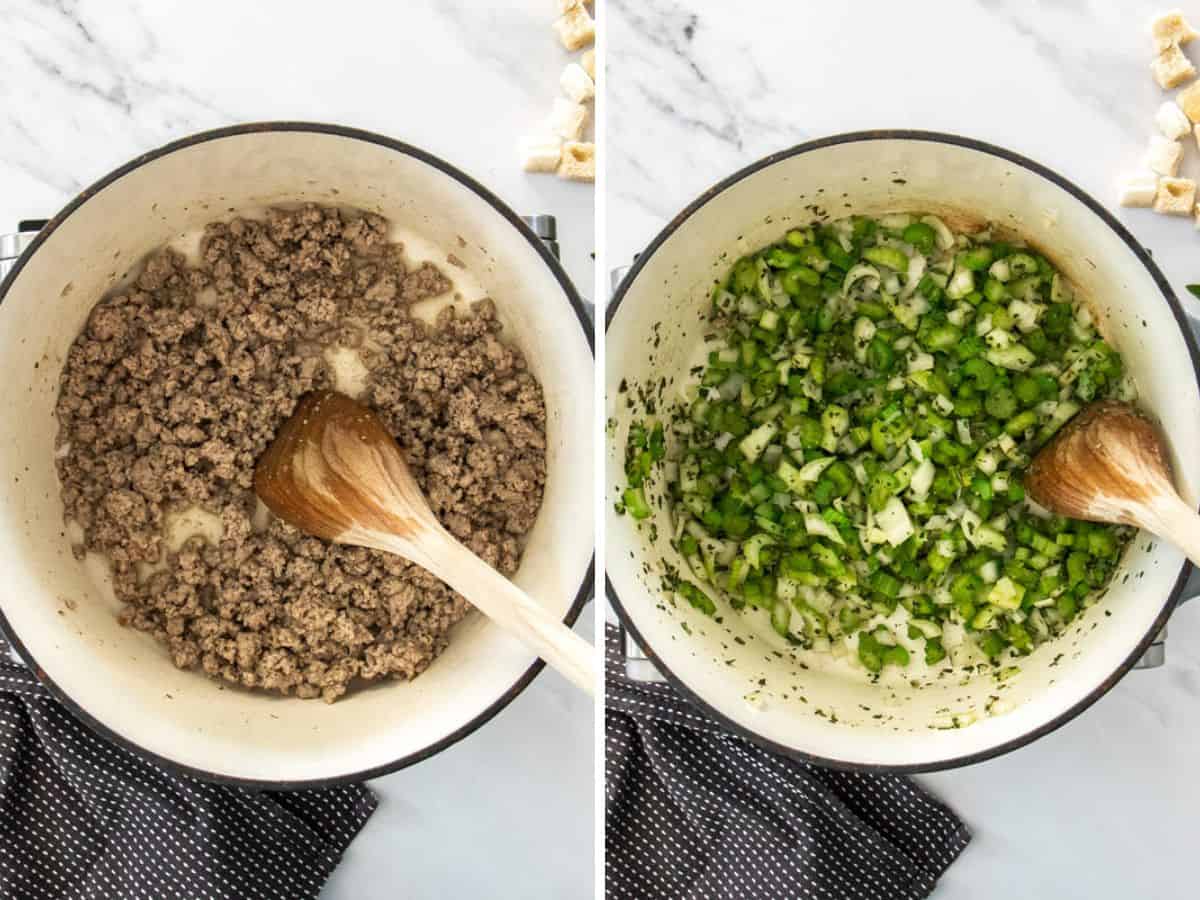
(502, 602)
(1169, 517)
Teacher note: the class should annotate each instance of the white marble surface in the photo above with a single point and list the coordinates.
(1105, 807)
(87, 85)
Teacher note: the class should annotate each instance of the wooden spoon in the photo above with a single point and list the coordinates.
(336, 472)
(1109, 464)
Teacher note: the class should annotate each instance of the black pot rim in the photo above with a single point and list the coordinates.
(573, 297)
(1189, 340)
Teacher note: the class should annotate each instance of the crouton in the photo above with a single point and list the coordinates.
(1175, 197)
(1188, 100)
(578, 161)
(588, 61)
(576, 28)
(567, 119)
(1172, 121)
(1163, 156)
(1170, 30)
(1171, 68)
(1137, 190)
(541, 153)
(565, 6)
(578, 85)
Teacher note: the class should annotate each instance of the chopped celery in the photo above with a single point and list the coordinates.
(887, 256)
(921, 236)
(1014, 356)
(635, 503)
(754, 547)
(1006, 594)
(781, 617)
(856, 441)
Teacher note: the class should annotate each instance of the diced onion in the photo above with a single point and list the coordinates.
(1025, 314)
(813, 470)
(894, 522)
(860, 271)
(922, 479)
(818, 527)
(963, 429)
(864, 330)
(942, 235)
(895, 221)
(961, 284)
(916, 269)
(731, 387)
(748, 306)
(920, 362)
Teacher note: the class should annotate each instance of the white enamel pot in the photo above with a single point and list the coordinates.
(121, 682)
(735, 667)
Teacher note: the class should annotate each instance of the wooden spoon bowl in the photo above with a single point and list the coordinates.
(1110, 464)
(335, 471)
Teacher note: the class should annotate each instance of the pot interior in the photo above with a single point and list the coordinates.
(124, 679)
(806, 701)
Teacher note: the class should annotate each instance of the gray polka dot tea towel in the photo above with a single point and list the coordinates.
(83, 818)
(695, 812)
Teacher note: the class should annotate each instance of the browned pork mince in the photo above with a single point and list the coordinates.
(179, 382)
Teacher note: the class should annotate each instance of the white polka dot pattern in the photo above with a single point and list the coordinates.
(693, 812)
(83, 818)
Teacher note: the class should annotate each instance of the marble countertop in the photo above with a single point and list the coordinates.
(507, 812)
(1104, 807)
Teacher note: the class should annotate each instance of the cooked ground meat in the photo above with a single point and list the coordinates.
(179, 382)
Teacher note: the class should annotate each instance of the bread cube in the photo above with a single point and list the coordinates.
(576, 28)
(1170, 29)
(1175, 197)
(565, 6)
(1188, 100)
(1137, 190)
(578, 85)
(578, 161)
(567, 119)
(1163, 156)
(588, 61)
(1171, 120)
(541, 153)
(1171, 68)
